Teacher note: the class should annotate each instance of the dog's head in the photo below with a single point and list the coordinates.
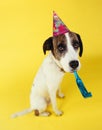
(65, 49)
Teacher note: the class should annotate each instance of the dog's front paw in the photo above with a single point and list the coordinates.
(58, 113)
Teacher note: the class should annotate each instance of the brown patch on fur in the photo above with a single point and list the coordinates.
(57, 40)
(62, 70)
(73, 37)
(36, 112)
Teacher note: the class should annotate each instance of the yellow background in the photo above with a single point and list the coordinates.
(24, 25)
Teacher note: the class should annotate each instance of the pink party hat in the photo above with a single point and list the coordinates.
(58, 26)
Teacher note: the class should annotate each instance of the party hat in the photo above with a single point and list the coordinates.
(58, 26)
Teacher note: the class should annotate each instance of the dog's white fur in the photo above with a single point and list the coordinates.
(47, 81)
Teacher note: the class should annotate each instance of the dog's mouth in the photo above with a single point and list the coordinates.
(72, 70)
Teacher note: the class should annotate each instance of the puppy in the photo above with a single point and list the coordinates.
(63, 57)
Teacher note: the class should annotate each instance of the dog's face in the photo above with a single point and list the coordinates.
(65, 49)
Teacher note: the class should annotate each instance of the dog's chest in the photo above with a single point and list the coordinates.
(49, 73)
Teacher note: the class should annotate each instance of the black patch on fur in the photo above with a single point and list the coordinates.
(48, 45)
(80, 45)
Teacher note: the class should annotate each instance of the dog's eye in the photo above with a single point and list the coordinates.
(75, 44)
(61, 47)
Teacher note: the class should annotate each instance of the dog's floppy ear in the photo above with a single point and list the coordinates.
(48, 45)
(80, 45)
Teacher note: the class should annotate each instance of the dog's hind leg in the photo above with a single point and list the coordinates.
(39, 105)
(44, 113)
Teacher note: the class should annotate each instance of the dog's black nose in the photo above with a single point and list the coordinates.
(74, 64)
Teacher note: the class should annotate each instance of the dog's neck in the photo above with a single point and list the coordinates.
(57, 63)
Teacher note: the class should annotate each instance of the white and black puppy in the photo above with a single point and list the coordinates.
(63, 57)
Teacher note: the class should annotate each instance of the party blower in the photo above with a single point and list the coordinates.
(81, 86)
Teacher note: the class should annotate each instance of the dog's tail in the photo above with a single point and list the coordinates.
(21, 113)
